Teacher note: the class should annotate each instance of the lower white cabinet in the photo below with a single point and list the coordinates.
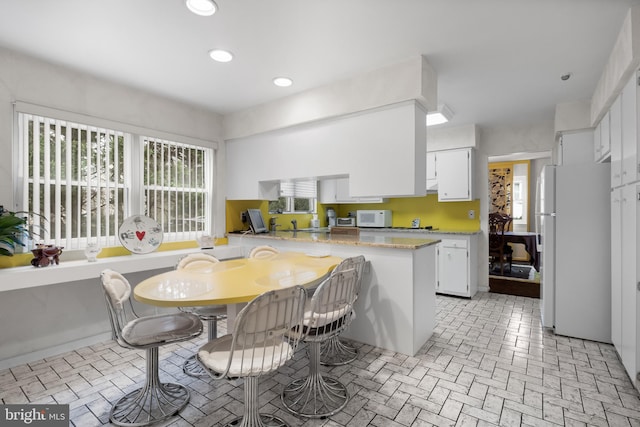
(625, 280)
(457, 265)
(456, 259)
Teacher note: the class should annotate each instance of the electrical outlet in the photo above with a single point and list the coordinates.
(243, 217)
(472, 214)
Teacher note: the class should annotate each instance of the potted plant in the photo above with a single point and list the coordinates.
(14, 231)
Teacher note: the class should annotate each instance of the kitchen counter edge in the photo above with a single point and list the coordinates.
(340, 239)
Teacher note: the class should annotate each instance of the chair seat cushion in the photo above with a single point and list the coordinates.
(161, 329)
(250, 362)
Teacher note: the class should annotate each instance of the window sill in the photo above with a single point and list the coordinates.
(67, 271)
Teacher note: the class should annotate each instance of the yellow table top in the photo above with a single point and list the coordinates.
(234, 281)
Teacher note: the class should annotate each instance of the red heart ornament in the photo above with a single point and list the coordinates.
(140, 235)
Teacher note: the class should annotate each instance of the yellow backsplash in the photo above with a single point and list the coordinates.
(444, 216)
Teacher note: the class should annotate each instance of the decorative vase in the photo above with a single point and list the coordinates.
(91, 251)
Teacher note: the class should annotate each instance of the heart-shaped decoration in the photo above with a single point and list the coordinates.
(140, 235)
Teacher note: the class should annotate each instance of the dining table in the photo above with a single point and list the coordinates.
(235, 282)
(530, 242)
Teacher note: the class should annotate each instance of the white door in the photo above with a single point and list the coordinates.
(453, 267)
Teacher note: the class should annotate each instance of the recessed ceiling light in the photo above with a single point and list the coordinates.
(202, 7)
(220, 55)
(282, 81)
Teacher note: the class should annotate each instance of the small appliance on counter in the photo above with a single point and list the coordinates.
(346, 222)
(331, 217)
(374, 218)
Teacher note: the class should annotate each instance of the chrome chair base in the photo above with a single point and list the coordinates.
(336, 352)
(153, 402)
(315, 396)
(264, 420)
(191, 366)
(252, 417)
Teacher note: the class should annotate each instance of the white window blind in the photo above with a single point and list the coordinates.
(175, 186)
(299, 189)
(74, 178)
(85, 180)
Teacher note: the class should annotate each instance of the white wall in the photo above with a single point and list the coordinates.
(42, 317)
(23, 78)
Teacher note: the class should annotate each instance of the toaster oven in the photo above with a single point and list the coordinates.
(346, 222)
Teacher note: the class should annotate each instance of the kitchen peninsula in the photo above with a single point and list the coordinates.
(396, 305)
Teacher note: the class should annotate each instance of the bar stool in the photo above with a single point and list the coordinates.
(201, 261)
(329, 312)
(335, 351)
(258, 345)
(155, 401)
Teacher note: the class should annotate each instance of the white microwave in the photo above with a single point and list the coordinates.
(373, 218)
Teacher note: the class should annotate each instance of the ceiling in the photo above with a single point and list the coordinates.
(499, 62)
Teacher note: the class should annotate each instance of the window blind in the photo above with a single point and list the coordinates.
(299, 189)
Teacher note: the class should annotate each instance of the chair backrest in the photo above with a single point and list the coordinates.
(263, 251)
(262, 332)
(117, 292)
(331, 307)
(357, 263)
(498, 222)
(197, 261)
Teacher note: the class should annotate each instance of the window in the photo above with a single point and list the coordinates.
(296, 197)
(82, 179)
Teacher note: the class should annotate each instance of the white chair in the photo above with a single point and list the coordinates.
(155, 401)
(201, 261)
(263, 252)
(334, 351)
(258, 345)
(329, 312)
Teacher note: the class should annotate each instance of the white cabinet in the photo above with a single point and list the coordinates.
(337, 191)
(602, 139)
(432, 179)
(615, 141)
(616, 269)
(453, 173)
(630, 132)
(457, 266)
(629, 303)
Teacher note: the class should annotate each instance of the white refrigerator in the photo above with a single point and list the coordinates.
(573, 220)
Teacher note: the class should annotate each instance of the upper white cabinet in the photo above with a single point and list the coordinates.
(602, 139)
(615, 141)
(630, 132)
(432, 179)
(453, 173)
(337, 191)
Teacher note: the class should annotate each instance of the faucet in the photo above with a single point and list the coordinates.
(295, 224)
(272, 223)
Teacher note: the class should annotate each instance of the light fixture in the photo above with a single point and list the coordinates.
(442, 115)
(220, 55)
(282, 81)
(202, 7)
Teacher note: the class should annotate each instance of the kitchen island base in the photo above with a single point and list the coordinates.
(396, 306)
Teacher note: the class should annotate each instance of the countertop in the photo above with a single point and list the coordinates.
(421, 231)
(368, 239)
